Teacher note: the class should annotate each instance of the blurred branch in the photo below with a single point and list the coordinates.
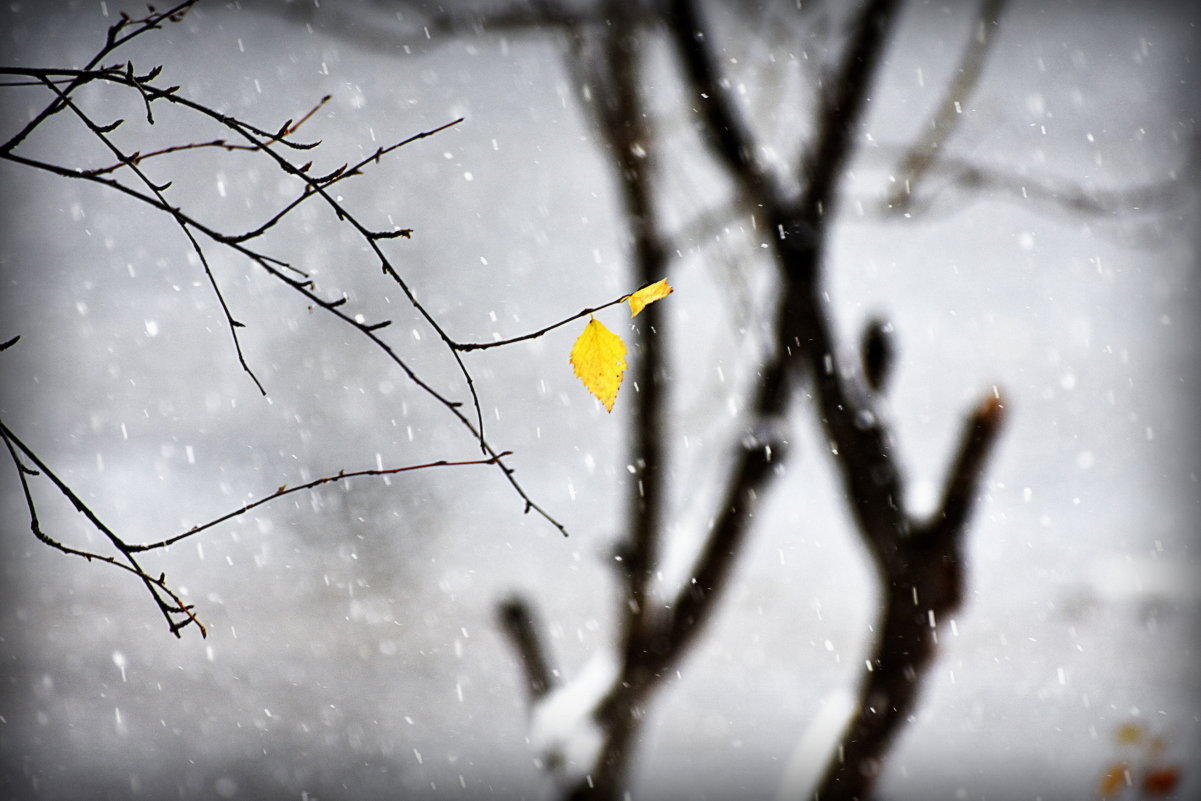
(967, 469)
(845, 93)
(724, 129)
(799, 322)
(865, 459)
(757, 459)
(605, 63)
(942, 123)
(1059, 193)
(921, 579)
(518, 623)
(609, 80)
(416, 26)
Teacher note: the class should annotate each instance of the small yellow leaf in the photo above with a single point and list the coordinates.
(648, 295)
(1115, 779)
(599, 360)
(1129, 733)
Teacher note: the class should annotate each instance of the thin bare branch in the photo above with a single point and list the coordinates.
(251, 134)
(275, 267)
(62, 84)
(285, 490)
(175, 611)
(343, 173)
(113, 41)
(170, 608)
(470, 346)
(157, 191)
(313, 186)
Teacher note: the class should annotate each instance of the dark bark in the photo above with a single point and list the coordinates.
(518, 623)
(919, 571)
(918, 565)
(922, 579)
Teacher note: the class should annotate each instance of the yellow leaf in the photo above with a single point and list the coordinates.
(1116, 778)
(1129, 733)
(599, 360)
(648, 295)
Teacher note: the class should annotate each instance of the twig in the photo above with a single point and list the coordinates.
(157, 190)
(62, 84)
(341, 174)
(153, 585)
(19, 453)
(137, 158)
(112, 42)
(259, 140)
(286, 490)
(470, 346)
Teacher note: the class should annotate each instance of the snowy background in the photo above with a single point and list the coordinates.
(352, 648)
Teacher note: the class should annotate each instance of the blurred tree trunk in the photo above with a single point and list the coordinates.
(909, 565)
(918, 564)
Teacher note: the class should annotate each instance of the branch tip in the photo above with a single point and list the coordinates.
(992, 409)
